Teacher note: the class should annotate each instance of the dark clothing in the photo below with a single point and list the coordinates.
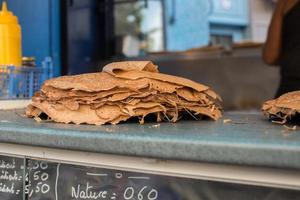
(290, 52)
(288, 84)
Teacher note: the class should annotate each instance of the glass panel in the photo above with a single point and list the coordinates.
(138, 27)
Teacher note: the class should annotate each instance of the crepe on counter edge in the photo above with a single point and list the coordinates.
(283, 108)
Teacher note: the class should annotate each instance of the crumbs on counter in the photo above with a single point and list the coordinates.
(290, 128)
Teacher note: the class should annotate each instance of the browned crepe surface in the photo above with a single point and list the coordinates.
(121, 91)
(283, 108)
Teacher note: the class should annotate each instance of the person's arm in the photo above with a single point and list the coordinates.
(272, 47)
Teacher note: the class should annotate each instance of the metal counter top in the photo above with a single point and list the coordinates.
(248, 140)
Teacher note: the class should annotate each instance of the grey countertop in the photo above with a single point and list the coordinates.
(248, 140)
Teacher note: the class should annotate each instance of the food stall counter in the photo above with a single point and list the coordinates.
(243, 148)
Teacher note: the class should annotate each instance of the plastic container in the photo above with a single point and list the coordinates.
(22, 82)
(10, 38)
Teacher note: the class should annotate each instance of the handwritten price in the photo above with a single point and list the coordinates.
(40, 177)
(129, 194)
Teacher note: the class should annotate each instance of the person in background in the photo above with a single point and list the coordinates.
(283, 44)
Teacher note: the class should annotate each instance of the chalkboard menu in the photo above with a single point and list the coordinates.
(30, 179)
(11, 178)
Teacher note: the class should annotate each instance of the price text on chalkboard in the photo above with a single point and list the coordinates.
(30, 179)
(11, 177)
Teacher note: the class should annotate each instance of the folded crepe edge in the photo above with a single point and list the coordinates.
(116, 69)
(113, 67)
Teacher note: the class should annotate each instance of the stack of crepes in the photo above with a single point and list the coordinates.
(284, 108)
(121, 91)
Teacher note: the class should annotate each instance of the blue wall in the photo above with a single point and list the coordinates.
(195, 20)
(190, 26)
(230, 12)
(39, 20)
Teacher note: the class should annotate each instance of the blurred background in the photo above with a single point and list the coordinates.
(214, 42)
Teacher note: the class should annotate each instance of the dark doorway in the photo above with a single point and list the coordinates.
(87, 34)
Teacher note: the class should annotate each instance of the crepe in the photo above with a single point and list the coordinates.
(123, 90)
(284, 108)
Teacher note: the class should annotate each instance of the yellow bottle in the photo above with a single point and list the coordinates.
(10, 38)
